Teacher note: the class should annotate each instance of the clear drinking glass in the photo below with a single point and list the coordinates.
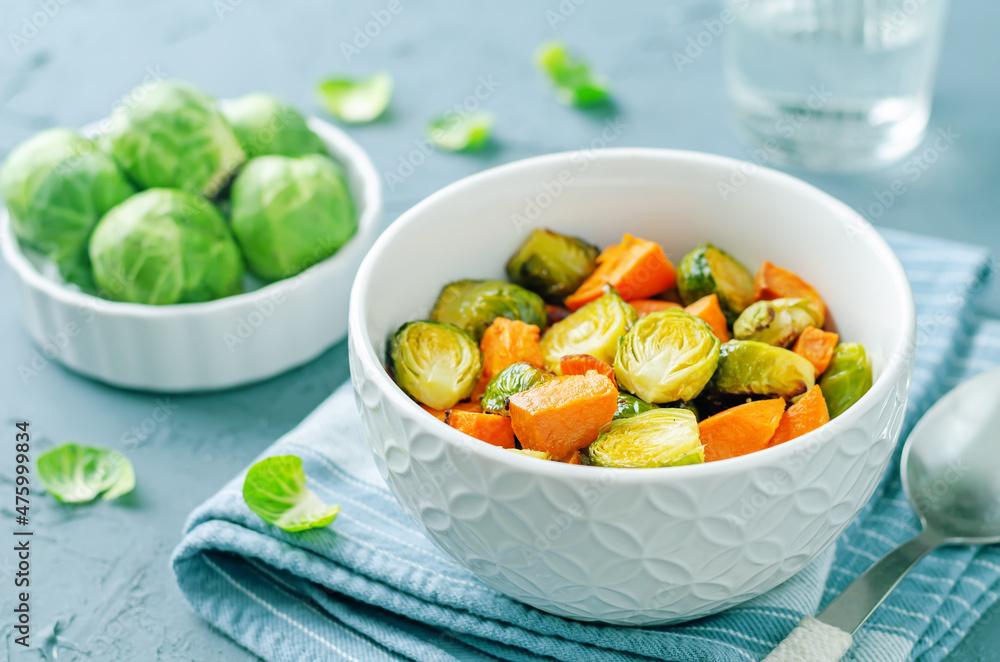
(832, 84)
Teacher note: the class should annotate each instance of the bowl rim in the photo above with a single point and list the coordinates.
(349, 154)
(898, 363)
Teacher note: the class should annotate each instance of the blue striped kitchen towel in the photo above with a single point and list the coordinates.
(372, 587)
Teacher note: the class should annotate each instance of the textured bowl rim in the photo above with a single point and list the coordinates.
(897, 365)
(350, 156)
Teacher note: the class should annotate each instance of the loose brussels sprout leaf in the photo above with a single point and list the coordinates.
(512, 379)
(275, 489)
(266, 125)
(472, 305)
(575, 84)
(541, 455)
(552, 264)
(357, 100)
(74, 473)
(748, 367)
(668, 355)
(174, 136)
(453, 132)
(707, 270)
(777, 322)
(165, 246)
(435, 362)
(291, 213)
(57, 185)
(629, 405)
(657, 438)
(848, 377)
(593, 329)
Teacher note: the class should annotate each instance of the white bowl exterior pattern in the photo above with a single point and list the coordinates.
(637, 547)
(204, 346)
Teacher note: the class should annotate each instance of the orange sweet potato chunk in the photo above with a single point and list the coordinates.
(804, 416)
(646, 306)
(708, 309)
(581, 364)
(773, 282)
(564, 414)
(816, 345)
(505, 343)
(491, 428)
(740, 430)
(463, 406)
(637, 268)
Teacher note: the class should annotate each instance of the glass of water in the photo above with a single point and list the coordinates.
(840, 85)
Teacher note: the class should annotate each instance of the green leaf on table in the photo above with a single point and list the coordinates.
(461, 133)
(356, 100)
(74, 473)
(275, 489)
(575, 84)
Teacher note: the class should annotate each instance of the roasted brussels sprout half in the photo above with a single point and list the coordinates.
(707, 270)
(629, 406)
(57, 185)
(777, 322)
(748, 367)
(512, 379)
(472, 305)
(552, 264)
(436, 363)
(668, 355)
(593, 329)
(658, 438)
(848, 377)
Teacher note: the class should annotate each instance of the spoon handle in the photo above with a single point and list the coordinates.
(828, 636)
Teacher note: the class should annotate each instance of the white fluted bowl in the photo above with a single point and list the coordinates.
(633, 546)
(199, 346)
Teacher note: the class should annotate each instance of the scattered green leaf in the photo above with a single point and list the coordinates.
(275, 489)
(77, 474)
(461, 133)
(357, 101)
(575, 84)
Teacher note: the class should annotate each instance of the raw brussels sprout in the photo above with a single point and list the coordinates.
(290, 213)
(175, 137)
(668, 355)
(165, 246)
(748, 367)
(629, 406)
(266, 125)
(658, 438)
(512, 379)
(57, 185)
(777, 322)
(707, 270)
(474, 304)
(552, 264)
(438, 364)
(848, 377)
(593, 329)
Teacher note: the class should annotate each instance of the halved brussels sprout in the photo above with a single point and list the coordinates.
(593, 329)
(658, 438)
(748, 367)
(848, 377)
(668, 355)
(777, 322)
(472, 305)
(552, 264)
(629, 406)
(436, 363)
(512, 379)
(707, 270)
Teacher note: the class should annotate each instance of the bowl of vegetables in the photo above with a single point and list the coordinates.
(617, 387)
(184, 244)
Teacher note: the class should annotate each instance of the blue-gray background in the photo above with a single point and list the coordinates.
(100, 579)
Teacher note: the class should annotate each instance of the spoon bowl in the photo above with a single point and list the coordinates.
(951, 464)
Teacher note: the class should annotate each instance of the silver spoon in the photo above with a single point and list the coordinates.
(951, 475)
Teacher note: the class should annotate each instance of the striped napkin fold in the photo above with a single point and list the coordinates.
(371, 586)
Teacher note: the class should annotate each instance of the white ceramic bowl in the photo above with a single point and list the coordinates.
(633, 546)
(202, 346)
